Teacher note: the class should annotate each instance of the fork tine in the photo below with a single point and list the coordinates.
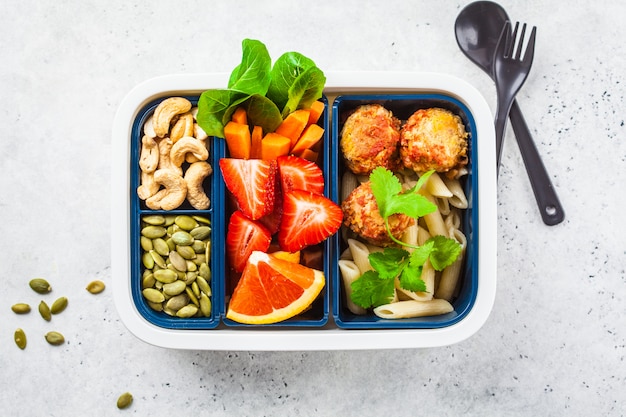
(511, 40)
(530, 48)
(520, 43)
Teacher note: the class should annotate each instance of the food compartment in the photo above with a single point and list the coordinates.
(145, 254)
(317, 256)
(403, 106)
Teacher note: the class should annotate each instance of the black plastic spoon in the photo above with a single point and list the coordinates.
(477, 29)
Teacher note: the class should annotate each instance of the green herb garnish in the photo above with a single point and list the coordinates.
(267, 93)
(376, 287)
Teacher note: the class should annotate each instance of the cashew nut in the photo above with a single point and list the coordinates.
(188, 144)
(194, 177)
(149, 157)
(148, 186)
(148, 128)
(165, 147)
(199, 133)
(165, 112)
(183, 127)
(174, 193)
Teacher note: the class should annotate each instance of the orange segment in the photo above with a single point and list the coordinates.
(271, 290)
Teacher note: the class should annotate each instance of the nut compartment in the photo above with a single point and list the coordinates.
(139, 210)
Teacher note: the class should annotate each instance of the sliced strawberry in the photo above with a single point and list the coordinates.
(252, 182)
(272, 220)
(308, 219)
(244, 236)
(299, 174)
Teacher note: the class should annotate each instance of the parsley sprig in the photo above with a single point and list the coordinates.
(376, 287)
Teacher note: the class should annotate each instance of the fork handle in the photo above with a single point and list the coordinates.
(549, 205)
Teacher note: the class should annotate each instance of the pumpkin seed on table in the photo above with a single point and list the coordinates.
(21, 308)
(20, 339)
(124, 400)
(54, 338)
(95, 287)
(59, 305)
(44, 310)
(40, 285)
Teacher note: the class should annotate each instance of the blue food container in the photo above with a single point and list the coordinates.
(138, 210)
(403, 106)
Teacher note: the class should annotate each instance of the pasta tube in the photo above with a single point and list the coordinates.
(413, 308)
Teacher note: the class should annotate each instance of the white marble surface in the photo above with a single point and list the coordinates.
(555, 343)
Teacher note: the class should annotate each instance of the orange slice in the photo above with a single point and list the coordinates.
(271, 290)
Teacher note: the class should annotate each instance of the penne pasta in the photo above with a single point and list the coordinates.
(413, 308)
(349, 273)
(437, 187)
(434, 220)
(410, 236)
(458, 199)
(349, 182)
(360, 254)
(450, 276)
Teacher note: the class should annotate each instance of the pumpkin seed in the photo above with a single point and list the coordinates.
(201, 232)
(189, 277)
(155, 306)
(186, 222)
(158, 259)
(204, 285)
(147, 260)
(44, 310)
(155, 220)
(182, 238)
(192, 296)
(153, 295)
(195, 288)
(189, 310)
(40, 285)
(58, 305)
(148, 281)
(146, 243)
(20, 338)
(177, 302)
(124, 400)
(178, 261)
(165, 276)
(198, 246)
(169, 220)
(191, 267)
(153, 232)
(204, 271)
(205, 305)
(54, 338)
(95, 287)
(160, 246)
(174, 288)
(186, 252)
(20, 308)
(201, 219)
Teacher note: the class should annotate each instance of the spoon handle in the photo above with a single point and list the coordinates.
(549, 205)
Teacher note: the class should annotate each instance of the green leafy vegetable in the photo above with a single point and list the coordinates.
(267, 93)
(376, 287)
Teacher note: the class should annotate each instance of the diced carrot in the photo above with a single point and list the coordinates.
(257, 138)
(240, 116)
(311, 135)
(293, 125)
(274, 145)
(316, 110)
(237, 137)
(308, 154)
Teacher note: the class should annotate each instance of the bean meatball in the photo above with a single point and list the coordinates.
(361, 215)
(370, 138)
(434, 139)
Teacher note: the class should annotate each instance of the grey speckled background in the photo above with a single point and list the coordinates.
(555, 342)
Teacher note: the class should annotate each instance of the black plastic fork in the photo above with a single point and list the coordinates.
(510, 71)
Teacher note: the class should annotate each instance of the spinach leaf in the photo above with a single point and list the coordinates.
(252, 75)
(262, 111)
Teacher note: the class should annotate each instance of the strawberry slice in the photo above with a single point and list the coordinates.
(251, 181)
(299, 174)
(272, 220)
(308, 219)
(244, 237)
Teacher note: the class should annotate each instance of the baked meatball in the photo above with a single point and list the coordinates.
(434, 139)
(370, 138)
(361, 215)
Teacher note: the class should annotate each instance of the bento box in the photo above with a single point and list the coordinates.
(328, 325)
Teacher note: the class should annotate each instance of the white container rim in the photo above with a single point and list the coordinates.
(311, 339)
